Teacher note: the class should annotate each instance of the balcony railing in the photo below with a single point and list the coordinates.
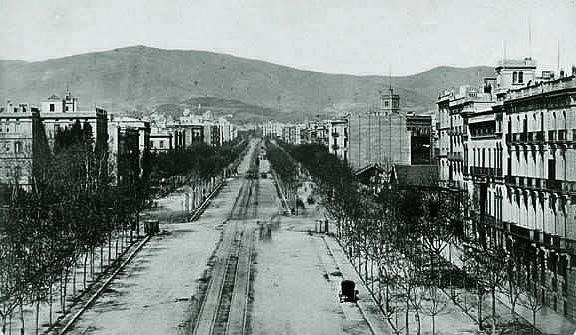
(544, 87)
(541, 183)
(528, 137)
(554, 185)
(455, 156)
(485, 171)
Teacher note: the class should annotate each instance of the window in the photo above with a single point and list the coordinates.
(386, 103)
(52, 107)
(514, 77)
(520, 77)
(161, 145)
(17, 147)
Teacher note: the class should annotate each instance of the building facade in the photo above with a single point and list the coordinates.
(385, 135)
(19, 130)
(511, 145)
(338, 138)
(23, 126)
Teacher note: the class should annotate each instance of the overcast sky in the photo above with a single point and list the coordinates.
(338, 36)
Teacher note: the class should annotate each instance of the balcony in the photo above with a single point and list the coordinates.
(541, 184)
(561, 186)
(525, 138)
(554, 185)
(455, 156)
(485, 172)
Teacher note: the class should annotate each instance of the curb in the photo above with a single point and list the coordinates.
(101, 289)
(362, 311)
(198, 211)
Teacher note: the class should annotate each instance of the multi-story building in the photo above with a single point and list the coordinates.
(511, 145)
(385, 135)
(128, 143)
(57, 114)
(19, 131)
(22, 126)
(191, 129)
(160, 137)
(338, 138)
(291, 133)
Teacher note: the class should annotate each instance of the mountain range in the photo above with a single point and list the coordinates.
(136, 80)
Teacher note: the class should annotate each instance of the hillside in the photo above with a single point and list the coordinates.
(142, 78)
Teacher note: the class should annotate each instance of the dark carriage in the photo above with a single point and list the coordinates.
(348, 292)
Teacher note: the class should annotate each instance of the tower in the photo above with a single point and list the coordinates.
(388, 103)
(70, 102)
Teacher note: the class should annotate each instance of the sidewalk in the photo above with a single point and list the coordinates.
(369, 308)
(548, 322)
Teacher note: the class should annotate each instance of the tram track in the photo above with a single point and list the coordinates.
(224, 309)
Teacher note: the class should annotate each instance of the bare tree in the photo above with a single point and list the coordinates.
(533, 301)
(438, 303)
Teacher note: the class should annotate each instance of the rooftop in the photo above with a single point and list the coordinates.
(526, 62)
(542, 87)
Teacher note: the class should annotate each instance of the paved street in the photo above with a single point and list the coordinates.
(291, 293)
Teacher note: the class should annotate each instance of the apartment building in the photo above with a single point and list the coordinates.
(22, 126)
(338, 138)
(511, 145)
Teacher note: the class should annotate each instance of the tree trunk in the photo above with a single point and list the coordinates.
(61, 295)
(387, 295)
(493, 310)
(101, 258)
(433, 324)
(50, 302)
(417, 317)
(407, 313)
(534, 322)
(64, 291)
(137, 224)
(21, 319)
(85, 269)
(37, 316)
(92, 256)
(116, 247)
(74, 273)
(480, 312)
(109, 248)
(513, 308)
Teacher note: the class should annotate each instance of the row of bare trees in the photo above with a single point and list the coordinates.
(399, 242)
(74, 219)
(69, 210)
(286, 170)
